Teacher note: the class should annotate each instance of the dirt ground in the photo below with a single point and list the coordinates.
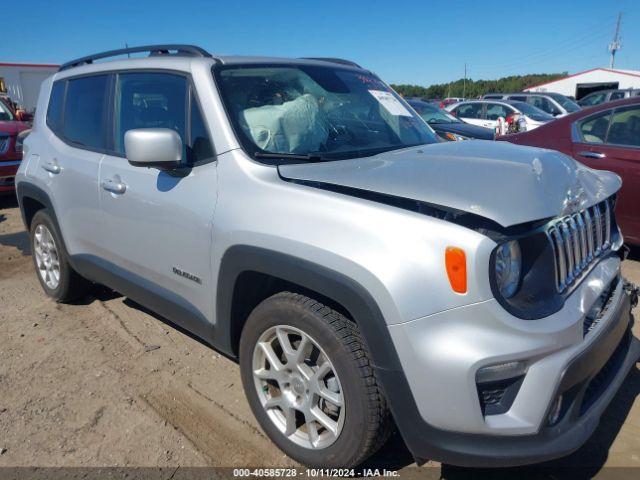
(104, 383)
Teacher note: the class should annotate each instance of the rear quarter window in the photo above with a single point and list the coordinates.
(594, 129)
(54, 110)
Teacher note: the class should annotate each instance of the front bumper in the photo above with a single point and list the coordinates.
(587, 375)
(8, 170)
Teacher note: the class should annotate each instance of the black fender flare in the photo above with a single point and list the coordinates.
(308, 275)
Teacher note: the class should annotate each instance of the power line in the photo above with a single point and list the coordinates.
(581, 40)
(542, 58)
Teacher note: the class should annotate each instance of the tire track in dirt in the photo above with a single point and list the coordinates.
(213, 431)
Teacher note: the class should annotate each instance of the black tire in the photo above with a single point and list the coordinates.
(367, 422)
(71, 285)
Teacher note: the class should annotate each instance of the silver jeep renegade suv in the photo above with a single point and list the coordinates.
(300, 217)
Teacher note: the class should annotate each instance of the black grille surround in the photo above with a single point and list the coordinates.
(545, 282)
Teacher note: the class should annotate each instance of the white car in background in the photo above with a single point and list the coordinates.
(486, 113)
(554, 104)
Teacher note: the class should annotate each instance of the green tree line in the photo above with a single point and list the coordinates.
(475, 88)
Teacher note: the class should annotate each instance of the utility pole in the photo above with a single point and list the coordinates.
(614, 46)
(464, 83)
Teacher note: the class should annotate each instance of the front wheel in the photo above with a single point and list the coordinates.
(308, 379)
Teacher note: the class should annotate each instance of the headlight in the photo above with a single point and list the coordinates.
(508, 268)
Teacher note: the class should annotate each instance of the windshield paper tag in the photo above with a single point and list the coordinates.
(390, 103)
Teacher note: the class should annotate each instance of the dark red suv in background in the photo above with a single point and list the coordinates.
(11, 126)
(605, 137)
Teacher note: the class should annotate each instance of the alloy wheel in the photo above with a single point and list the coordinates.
(47, 257)
(298, 387)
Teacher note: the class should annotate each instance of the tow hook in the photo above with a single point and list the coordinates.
(632, 290)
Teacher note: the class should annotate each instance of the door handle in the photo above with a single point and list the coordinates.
(589, 154)
(114, 186)
(52, 167)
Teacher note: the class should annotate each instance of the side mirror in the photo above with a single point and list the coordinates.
(153, 147)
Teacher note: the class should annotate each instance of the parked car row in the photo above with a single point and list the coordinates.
(488, 114)
(554, 104)
(447, 125)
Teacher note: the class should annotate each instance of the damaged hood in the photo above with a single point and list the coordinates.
(506, 183)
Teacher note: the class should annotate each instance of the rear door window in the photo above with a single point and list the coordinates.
(495, 111)
(469, 110)
(85, 112)
(625, 128)
(617, 95)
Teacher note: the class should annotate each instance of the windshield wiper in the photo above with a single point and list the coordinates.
(312, 157)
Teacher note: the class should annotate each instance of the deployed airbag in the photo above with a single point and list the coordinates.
(293, 127)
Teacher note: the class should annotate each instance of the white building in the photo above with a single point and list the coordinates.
(21, 81)
(580, 84)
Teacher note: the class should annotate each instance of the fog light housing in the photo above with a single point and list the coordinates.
(498, 385)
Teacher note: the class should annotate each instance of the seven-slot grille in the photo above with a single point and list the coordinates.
(579, 239)
(4, 144)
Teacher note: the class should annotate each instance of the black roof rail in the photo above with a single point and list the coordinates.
(341, 61)
(154, 50)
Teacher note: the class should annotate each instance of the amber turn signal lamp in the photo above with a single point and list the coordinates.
(456, 262)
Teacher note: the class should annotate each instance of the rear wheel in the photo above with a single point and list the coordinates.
(57, 277)
(308, 379)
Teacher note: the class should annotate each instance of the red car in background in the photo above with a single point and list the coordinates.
(450, 101)
(604, 137)
(11, 126)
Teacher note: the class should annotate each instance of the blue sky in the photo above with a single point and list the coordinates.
(404, 41)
